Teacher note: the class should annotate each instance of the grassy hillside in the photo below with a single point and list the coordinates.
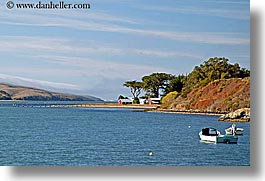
(220, 95)
(9, 92)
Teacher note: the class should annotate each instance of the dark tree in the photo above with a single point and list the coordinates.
(155, 82)
(176, 84)
(135, 88)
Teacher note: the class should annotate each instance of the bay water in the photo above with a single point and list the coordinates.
(39, 136)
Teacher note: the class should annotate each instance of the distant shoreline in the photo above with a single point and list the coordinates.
(115, 105)
(155, 108)
(145, 107)
(62, 104)
(10, 100)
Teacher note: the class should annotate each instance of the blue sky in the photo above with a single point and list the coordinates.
(92, 52)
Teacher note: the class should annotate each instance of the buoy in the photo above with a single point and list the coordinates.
(151, 153)
(189, 126)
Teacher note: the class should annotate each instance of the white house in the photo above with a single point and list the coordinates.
(154, 100)
(125, 101)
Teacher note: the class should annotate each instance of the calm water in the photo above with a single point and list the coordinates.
(81, 136)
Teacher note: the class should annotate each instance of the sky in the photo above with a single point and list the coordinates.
(94, 51)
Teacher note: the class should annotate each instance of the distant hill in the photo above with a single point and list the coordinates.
(10, 92)
(220, 95)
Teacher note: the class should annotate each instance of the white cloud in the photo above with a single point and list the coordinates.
(164, 53)
(82, 21)
(224, 13)
(110, 89)
(227, 2)
(56, 45)
(99, 68)
(11, 43)
(54, 86)
(62, 46)
(197, 37)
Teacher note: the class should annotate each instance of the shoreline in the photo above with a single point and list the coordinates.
(113, 105)
(143, 107)
(147, 108)
(84, 105)
(155, 108)
(185, 112)
(172, 111)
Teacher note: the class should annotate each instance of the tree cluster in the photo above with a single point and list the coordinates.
(213, 69)
(160, 84)
(155, 84)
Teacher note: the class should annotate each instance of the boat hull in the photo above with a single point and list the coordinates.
(229, 139)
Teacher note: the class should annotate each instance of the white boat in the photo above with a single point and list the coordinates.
(233, 130)
(239, 131)
(214, 136)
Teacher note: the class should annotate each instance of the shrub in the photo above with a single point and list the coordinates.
(170, 97)
(136, 100)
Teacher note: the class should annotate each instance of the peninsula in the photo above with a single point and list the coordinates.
(11, 92)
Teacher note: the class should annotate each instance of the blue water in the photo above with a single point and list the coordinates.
(97, 136)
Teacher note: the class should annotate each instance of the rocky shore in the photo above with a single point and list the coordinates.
(176, 111)
(239, 115)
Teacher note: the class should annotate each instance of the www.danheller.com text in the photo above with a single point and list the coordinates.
(49, 5)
